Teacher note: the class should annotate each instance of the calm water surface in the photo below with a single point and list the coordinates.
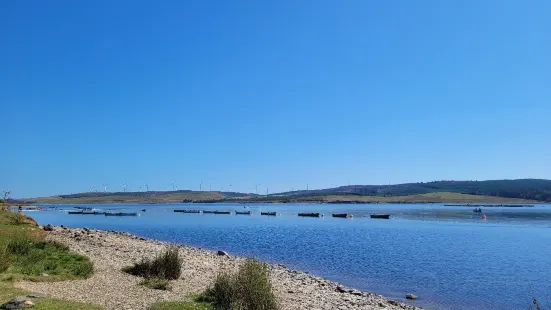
(447, 256)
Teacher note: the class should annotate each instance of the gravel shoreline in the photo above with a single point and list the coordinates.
(110, 251)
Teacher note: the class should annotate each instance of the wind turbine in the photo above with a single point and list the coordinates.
(124, 186)
(140, 188)
(104, 187)
(147, 187)
(173, 188)
(256, 189)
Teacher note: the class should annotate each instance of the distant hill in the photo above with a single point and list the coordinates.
(139, 197)
(528, 189)
(493, 191)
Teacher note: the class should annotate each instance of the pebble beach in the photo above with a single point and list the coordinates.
(111, 288)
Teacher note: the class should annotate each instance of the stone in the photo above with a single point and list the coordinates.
(355, 292)
(44, 274)
(48, 228)
(341, 289)
(222, 253)
(411, 296)
(18, 303)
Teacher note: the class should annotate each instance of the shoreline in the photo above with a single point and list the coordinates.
(110, 251)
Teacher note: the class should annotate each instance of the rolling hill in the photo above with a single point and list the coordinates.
(492, 191)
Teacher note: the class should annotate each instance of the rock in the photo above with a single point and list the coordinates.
(18, 303)
(290, 291)
(222, 253)
(341, 289)
(355, 292)
(411, 296)
(48, 228)
(44, 274)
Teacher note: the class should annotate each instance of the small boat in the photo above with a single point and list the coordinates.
(222, 212)
(74, 212)
(188, 211)
(380, 216)
(143, 210)
(343, 215)
(243, 212)
(309, 214)
(121, 213)
(268, 213)
(208, 211)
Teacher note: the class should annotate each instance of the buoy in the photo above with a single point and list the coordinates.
(351, 216)
(484, 217)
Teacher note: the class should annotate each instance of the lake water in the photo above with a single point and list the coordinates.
(447, 256)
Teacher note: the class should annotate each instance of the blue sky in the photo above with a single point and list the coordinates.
(280, 93)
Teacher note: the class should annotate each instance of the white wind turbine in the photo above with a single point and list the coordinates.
(104, 187)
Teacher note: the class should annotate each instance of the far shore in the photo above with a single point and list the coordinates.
(110, 251)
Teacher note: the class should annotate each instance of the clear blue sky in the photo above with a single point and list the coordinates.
(280, 93)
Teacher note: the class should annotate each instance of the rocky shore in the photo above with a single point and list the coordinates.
(110, 251)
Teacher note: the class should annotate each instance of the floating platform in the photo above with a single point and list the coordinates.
(243, 212)
(188, 211)
(268, 213)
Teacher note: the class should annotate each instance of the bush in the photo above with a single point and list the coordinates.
(167, 266)
(248, 289)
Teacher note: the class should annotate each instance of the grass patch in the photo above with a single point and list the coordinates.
(156, 284)
(249, 289)
(24, 254)
(17, 218)
(7, 292)
(167, 266)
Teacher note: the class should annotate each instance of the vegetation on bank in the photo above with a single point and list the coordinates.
(25, 255)
(248, 289)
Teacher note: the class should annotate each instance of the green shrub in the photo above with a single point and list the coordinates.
(248, 289)
(154, 283)
(167, 266)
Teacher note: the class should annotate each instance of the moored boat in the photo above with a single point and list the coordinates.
(344, 215)
(309, 214)
(121, 213)
(188, 211)
(208, 211)
(268, 213)
(380, 216)
(74, 212)
(243, 212)
(222, 212)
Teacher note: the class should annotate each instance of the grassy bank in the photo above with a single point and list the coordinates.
(26, 255)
